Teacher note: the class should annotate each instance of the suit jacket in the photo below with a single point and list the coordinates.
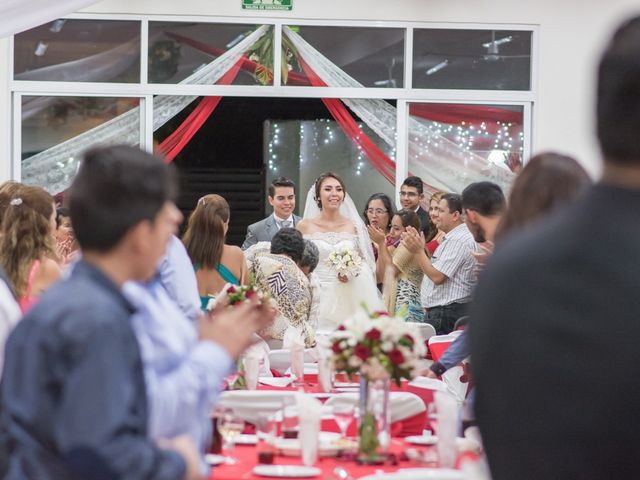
(264, 230)
(424, 219)
(554, 344)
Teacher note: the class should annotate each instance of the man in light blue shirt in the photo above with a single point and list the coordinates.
(183, 374)
(179, 280)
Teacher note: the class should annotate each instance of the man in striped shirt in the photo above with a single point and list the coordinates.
(449, 275)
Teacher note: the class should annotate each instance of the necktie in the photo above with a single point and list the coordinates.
(286, 224)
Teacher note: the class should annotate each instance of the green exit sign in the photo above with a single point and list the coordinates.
(267, 4)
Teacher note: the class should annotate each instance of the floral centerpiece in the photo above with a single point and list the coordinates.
(381, 348)
(346, 262)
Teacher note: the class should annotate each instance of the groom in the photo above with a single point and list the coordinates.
(282, 197)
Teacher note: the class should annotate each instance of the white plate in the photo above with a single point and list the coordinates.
(246, 439)
(422, 440)
(329, 445)
(418, 474)
(286, 471)
(213, 459)
(276, 381)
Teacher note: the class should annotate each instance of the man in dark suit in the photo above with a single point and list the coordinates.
(555, 329)
(282, 197)
(411, 194)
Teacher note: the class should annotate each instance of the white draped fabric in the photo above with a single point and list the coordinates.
(19, 15)
(54, 168)
(438, 161)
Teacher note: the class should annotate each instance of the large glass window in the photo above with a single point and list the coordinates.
(374, 57)
(57, 130)
(452, 145)
(472, 59)
(177, 50)
(79, 51)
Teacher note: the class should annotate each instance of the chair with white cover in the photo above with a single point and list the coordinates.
(281, 359)
(454, 378)
(249, 404)
(403, 405)
(426, 329)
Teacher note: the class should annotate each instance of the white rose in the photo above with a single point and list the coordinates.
(354, 361)
(386, 346)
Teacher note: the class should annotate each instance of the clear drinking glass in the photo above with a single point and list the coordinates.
(229, 426)
(343, 414)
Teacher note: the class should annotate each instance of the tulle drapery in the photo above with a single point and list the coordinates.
(54, 168)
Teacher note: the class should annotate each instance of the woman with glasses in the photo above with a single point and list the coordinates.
(378, 212)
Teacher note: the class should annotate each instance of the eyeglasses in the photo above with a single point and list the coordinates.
(376, 211)
(408, 194)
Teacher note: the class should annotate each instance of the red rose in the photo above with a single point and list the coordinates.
(396, 356)
(336, 347)
(373, 334)
(231, 289)
(342, 328)
(361, 352)
(250, 293)
(380, 313)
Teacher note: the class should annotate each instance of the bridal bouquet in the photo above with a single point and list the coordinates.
(345, 262)
(378, 346)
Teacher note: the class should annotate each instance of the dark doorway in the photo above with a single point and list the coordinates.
(226, 155)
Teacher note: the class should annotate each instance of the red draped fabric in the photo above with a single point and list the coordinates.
(470, 114)
(339, 112)
(175, 142)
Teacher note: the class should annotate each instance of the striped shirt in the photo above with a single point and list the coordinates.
(454, 258)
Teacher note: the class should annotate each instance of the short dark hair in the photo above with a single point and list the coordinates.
(486, 198)
(618, 97)
(61, 212)
(289, 242)
(280, 182)
(310, 256)
(415, 182)
(116, 188)
(454, 202)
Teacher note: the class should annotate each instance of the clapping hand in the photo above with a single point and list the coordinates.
(376, 234)
(413, 240)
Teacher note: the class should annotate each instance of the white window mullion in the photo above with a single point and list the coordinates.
(402, 146)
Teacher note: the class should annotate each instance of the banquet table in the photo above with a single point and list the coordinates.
(247, 455)
(248, 458)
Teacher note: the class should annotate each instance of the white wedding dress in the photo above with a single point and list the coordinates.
(339, 300)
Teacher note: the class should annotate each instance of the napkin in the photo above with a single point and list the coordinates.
(252, 358)
(309, 416)
(324, 367)
(294, 341)
(447, 413)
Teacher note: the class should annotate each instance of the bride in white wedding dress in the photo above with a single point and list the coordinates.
(332, 222)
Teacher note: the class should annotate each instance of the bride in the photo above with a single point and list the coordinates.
(331, 221)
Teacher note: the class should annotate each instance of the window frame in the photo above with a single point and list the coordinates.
(403, 96)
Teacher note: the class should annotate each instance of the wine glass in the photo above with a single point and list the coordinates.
(229, 426)
(343, 414)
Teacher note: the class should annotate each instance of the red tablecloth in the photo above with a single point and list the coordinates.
(247, 459)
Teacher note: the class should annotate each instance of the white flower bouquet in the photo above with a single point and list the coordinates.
(346, 262)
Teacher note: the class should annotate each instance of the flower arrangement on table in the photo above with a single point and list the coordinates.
(381, 348)
(346, 262)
